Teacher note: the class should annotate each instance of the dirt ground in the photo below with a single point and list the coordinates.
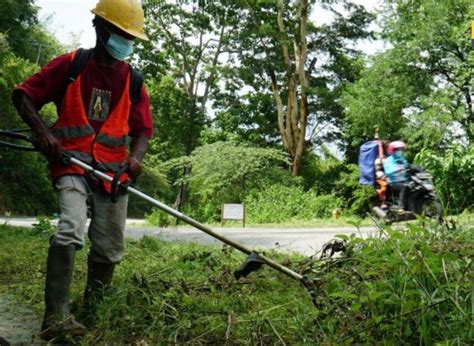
(17, 323)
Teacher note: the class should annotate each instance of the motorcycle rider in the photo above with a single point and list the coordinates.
(395, 167)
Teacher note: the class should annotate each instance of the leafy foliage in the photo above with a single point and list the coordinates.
(153, 183)
(433, 39)
(277, 204)
(419, 89)
(332, 176)
(453, 175)
(24, 184)
(224, 172)
(360, 198)
(378, 98)
(265, 72)
(25, 35)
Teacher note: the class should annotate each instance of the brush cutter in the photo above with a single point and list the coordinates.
(254, 260)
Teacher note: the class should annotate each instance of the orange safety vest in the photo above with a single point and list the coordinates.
(107, 149)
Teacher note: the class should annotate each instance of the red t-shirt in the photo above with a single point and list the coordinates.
(98, 82)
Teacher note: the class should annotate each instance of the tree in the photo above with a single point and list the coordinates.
(25, 187)
(378, 100)
(190, 36)
(418, 90)
(278, 50)
(434, 37)
(24, 43)
(26, 36)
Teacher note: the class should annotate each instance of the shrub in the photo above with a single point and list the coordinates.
(225, 172)
(359, 198)
(452, 175)
(281, 203)
(159, 218)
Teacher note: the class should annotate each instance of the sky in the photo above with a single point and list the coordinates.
(69, 18)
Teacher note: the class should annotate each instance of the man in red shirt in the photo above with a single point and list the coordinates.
(100, 101)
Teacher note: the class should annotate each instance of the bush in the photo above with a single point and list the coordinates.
(360, 198)
(452, 175)
(281, 203)
(159, 218)
(225, 172)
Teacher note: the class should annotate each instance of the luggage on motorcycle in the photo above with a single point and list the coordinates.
(367, 154)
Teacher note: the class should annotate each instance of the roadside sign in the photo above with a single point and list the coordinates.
(233, 211)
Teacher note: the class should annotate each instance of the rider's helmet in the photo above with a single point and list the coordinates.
(394, 146)
(127, 15)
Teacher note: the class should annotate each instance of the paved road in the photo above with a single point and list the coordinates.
(303, 240)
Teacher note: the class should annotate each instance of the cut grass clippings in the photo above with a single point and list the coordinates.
(411, 286)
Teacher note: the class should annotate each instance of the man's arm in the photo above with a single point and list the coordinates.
(138, 148)
(45, 142)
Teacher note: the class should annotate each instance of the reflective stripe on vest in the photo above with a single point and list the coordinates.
(73, 131)
(111, 141)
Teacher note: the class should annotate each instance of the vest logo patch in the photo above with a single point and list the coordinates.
(100, 104)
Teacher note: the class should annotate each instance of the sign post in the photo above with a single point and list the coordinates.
(232, 211)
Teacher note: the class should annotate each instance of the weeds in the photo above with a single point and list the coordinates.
(408, 286)
(44, 225)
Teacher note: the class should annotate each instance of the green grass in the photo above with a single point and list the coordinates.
(410, 286)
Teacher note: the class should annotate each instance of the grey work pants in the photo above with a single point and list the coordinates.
(106, 230)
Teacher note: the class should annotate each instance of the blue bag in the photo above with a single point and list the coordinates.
(367, 154)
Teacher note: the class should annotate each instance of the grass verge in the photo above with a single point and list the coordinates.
(410, 286)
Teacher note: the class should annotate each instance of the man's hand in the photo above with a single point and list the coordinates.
(45, 142)
(138, 148)
(134, 167)
(49, 146)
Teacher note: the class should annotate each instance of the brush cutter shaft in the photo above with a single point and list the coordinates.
(189, 220)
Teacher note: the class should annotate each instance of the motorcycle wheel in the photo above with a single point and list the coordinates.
(432, 209)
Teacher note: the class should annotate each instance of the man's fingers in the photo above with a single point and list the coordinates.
(134, 168)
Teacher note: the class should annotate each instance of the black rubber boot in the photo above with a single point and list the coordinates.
(57, 321)
(99, 277)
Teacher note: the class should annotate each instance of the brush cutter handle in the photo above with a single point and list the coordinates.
(190, 221)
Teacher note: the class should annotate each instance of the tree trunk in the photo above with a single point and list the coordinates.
(192, 138)
(292, 120)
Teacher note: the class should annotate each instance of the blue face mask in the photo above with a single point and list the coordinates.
(119, 47)
(398, 153)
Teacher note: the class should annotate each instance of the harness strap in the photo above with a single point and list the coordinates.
(79, 60)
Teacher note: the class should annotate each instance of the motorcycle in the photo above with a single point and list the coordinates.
(420, 199)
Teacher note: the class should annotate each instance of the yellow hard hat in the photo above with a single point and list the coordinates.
(124, 14)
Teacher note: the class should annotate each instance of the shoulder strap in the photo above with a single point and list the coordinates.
(79, 61)
(81, 57)
(136, 83)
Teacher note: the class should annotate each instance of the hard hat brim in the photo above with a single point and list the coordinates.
(134, 33)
